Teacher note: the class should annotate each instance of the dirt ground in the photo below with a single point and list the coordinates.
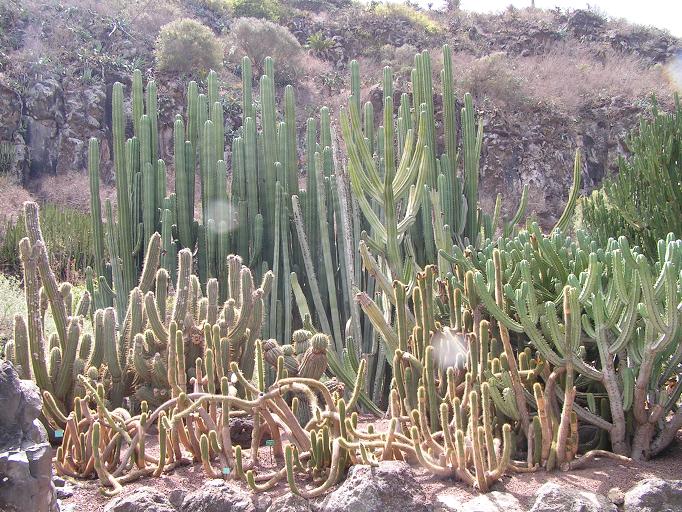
(597, 476)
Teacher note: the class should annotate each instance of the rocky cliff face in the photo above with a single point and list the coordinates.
(49, 117)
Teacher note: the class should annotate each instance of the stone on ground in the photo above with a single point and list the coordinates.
(25, 456)
(654, 495)
(143, 499)
(218, 496)
(553, 497)
(389, 486)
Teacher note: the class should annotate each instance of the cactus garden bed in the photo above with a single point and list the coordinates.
(487, 352)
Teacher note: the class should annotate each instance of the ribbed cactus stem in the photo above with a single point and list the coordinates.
(182, 287)
(35, 325)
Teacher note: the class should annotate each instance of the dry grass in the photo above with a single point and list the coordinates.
(569, 77)
(71, 189)
(12, 198)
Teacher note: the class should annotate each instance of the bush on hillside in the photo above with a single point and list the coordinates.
(187, 46)
(492, 77)
(644, 200)
(258, 39)
(264, 9)
(409, 13)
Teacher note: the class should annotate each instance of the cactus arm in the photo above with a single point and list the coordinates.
(491, 305)
(567, 214)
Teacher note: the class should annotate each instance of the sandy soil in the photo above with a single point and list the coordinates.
(598, 476)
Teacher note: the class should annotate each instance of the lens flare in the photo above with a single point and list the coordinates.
(222, 217)
(673, 71)
(450, 349)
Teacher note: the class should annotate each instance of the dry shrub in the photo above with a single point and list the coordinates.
(258, 39)
(149, 23)
(187, 46)
(490, 78)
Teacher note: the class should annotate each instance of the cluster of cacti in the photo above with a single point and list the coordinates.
(140, 193)
(620, 332)
(473, 401)
(481, 374)
(53, 364)
(643, 200)
(415, 201)
(194, 425)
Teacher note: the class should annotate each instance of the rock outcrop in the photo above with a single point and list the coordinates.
(25, 455)
(389, 486)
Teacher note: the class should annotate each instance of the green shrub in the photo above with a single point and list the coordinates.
(644, 200)
(407, 12)
(264, 9)
(187, 46)
(258, 39)
(217, 6)
(68, 237)
(318, 43)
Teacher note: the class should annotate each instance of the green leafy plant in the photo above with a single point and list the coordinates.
(318, 43)
(6, 157)
(67, 235)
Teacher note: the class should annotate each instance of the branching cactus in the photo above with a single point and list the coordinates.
(624, 306)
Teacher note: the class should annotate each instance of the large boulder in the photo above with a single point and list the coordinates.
(144, 499)
(218, 496)
(25, 456)
(389, 486)
(290, 503)
(654, 495)
(553, 497)
(494, 501)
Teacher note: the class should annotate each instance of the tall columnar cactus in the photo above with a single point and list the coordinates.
(415, 202)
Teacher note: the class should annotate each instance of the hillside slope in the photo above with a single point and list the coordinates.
(546, 82)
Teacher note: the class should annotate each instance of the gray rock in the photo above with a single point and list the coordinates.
(64, 492)
(218, 496)
(447, 503)
(25, 458)
(494, 501)
(261, 501)
(390, 486)
(553, 497)
(616, 496)
(654, 495)
(143, 499)
(290, 503)
(176, 497)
